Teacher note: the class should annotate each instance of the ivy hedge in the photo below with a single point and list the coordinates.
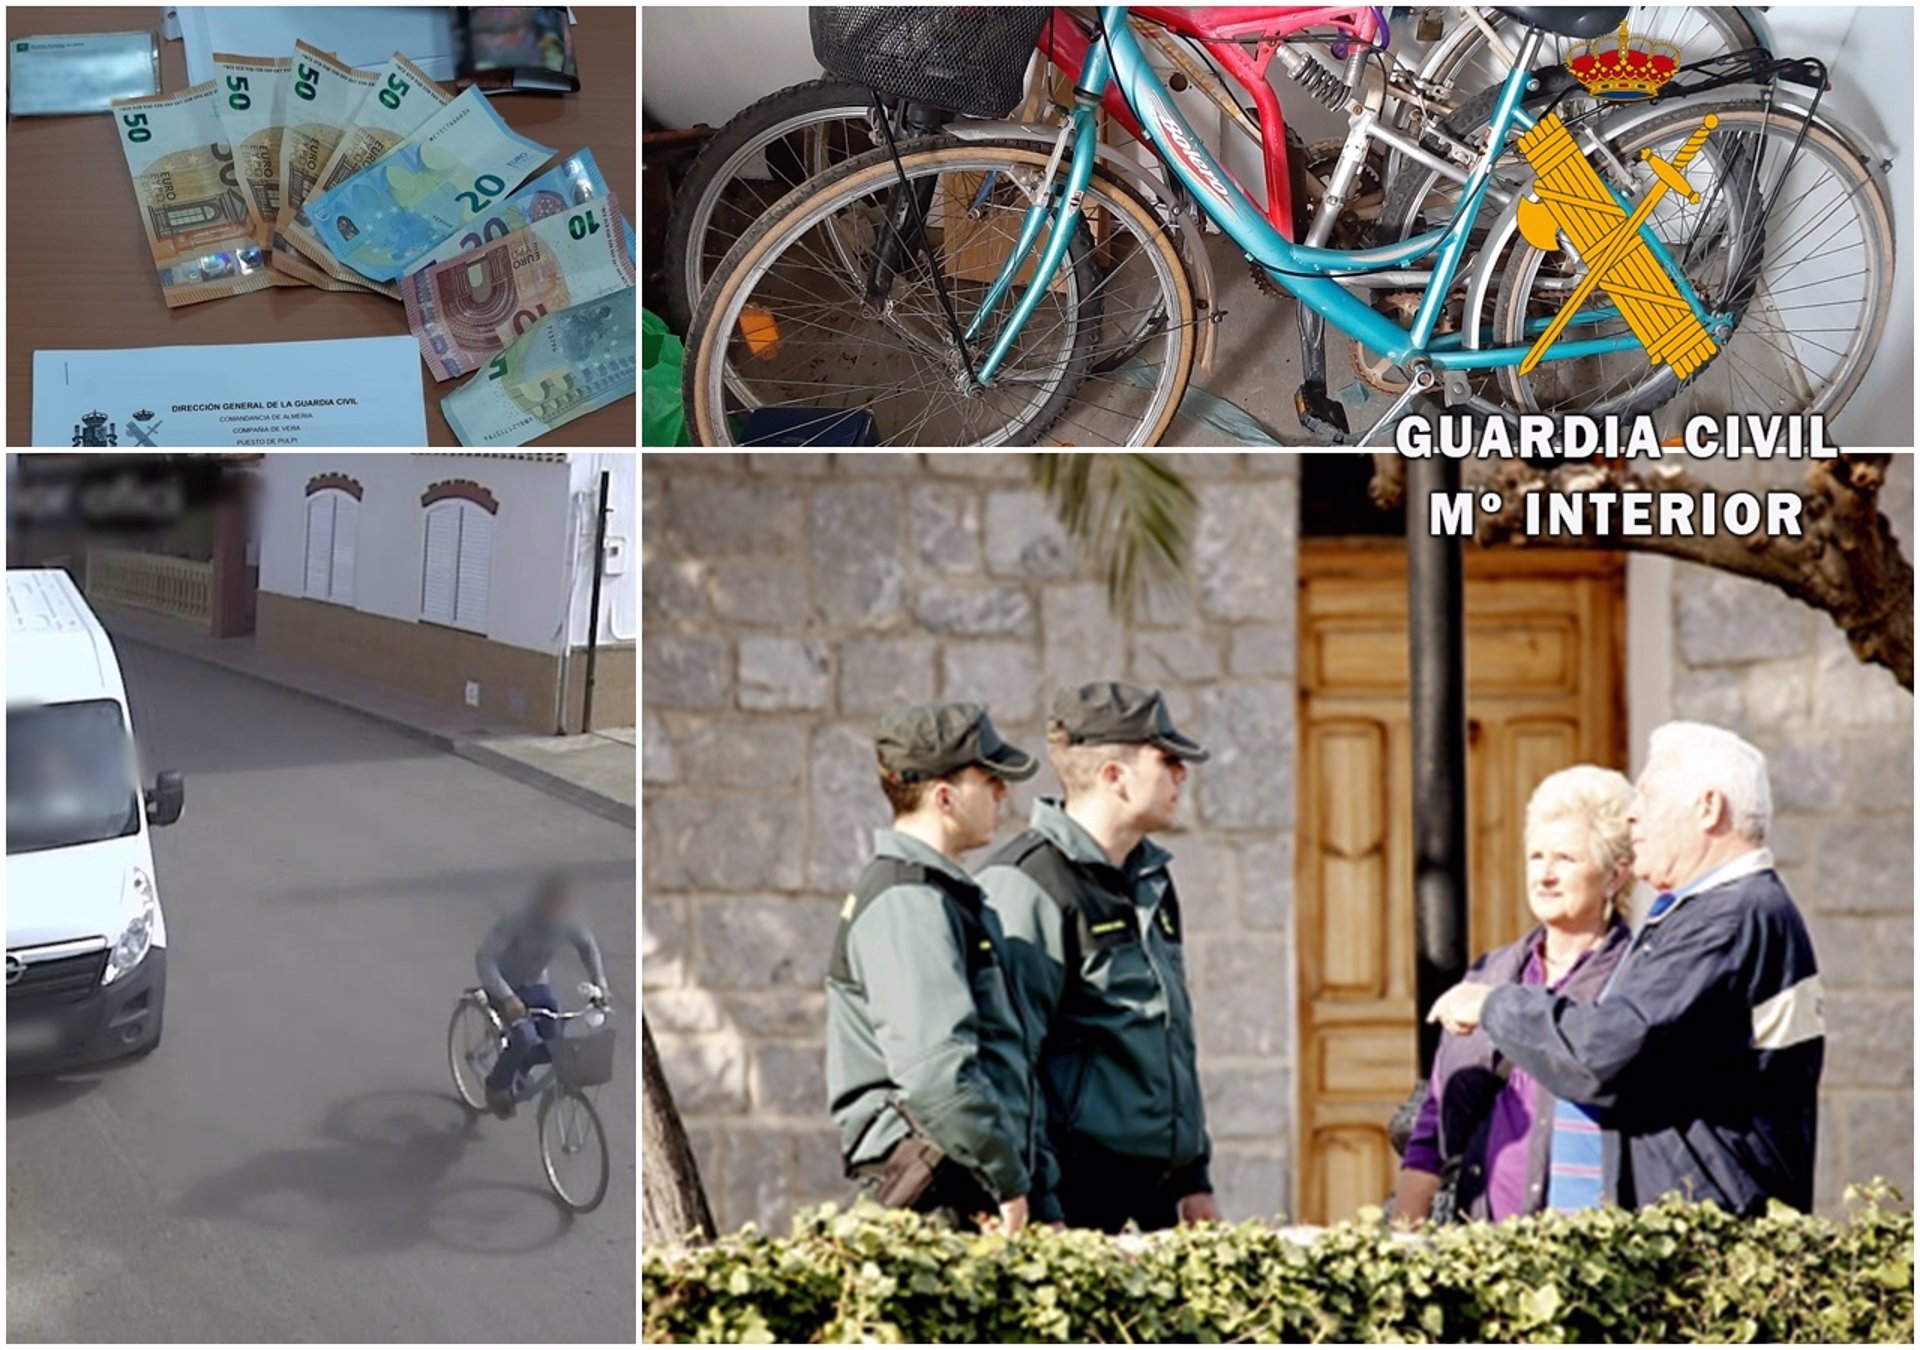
(1674, 1272)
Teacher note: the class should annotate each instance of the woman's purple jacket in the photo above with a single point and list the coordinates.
(1457, 1117)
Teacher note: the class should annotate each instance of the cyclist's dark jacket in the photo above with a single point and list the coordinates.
(918, 1007)
(1095, 952)
(1704, 1055)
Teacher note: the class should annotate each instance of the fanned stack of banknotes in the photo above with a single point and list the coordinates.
(300, 171)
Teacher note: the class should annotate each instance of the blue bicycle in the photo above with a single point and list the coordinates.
(1014, 284)
(573, 1142)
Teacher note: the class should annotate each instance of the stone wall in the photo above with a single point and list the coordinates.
(787, 599)
(1839, 742)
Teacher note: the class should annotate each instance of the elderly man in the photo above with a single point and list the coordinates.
(1701, 1058)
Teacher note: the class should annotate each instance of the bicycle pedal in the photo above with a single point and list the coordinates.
(1319, 414)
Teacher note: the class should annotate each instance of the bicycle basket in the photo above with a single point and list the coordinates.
(963, 58)
(584, 1061)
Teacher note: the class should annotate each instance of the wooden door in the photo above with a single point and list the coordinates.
(1545, 689)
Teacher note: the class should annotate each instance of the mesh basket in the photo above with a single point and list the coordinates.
(584, 1061)
(964, 58)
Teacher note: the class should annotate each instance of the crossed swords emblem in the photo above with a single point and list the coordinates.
(1570, 197)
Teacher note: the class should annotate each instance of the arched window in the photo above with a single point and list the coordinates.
(333, 530)
(458, 566)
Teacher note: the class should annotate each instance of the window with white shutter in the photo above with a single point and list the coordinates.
(333, 530)
(346, 539)
(439, 574)
(319, 544)
(476, 567)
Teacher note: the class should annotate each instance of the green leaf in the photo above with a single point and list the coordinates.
(1130, 515)
(1543, 1304)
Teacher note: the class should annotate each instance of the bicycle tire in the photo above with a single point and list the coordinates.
(866, 174)
(1509, 320)
(811, 102)
(475, 1102)
(544, 1118)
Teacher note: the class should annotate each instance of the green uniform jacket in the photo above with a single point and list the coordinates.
(1111, 1041)
(918, 1007)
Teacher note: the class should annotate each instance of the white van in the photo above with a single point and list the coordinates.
(86, 940)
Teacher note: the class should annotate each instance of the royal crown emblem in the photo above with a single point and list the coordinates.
(143, 416)
(1624, 67)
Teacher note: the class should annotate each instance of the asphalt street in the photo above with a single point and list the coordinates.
(291, 1163)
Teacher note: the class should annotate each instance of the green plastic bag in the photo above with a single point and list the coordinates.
(663, 421)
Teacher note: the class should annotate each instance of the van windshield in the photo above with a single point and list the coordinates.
(70, 776)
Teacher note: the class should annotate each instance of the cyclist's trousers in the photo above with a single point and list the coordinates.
(524, 1038)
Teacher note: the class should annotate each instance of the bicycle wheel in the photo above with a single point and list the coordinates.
(763, 153)
(1791, 253)
(786, 323)
(473, 1047)
(573, 1148)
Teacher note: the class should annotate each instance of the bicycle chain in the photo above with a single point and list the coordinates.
(1348, 232)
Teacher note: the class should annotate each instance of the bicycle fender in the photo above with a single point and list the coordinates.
(1147, 187)
(1874, 150)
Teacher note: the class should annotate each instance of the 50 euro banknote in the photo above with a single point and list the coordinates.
(448, 173)
(473, 306)
(252, 105)
(570, 363)
(402, 99)
(202, 228)
(323, 96)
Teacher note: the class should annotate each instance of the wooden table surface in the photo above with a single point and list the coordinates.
(80, 274)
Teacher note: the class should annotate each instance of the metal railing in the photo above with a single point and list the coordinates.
(176, 587)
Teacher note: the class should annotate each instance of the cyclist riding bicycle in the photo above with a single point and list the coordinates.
(513, 965)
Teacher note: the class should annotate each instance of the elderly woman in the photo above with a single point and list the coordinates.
(1511, 1145)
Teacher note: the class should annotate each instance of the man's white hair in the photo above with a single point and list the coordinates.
(1713, 757)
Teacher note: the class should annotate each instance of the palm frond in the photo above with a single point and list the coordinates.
(1130, 515)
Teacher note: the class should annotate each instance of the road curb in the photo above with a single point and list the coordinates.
(473, 751)
(608, 808)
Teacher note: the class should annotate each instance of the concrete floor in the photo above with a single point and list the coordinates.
(1256, 361)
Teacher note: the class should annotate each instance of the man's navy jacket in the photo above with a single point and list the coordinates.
(1703, 1056)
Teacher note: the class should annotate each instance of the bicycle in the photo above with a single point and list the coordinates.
(805, 129)
(568, 1126)
(1036, 374)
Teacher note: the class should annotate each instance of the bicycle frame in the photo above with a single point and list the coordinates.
(1115, 58)
(1220, 30)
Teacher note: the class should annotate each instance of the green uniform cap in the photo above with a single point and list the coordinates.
(1110, 713)
(932, 740)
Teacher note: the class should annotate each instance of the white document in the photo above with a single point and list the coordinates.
(364, 36)
(350, 391)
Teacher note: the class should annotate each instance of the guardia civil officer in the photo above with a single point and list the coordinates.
(926, 1072)
(1093, 934)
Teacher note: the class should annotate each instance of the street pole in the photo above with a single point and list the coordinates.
(593, 618)
(1437, 666)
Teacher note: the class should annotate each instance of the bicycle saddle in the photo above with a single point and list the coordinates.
(1574, 21)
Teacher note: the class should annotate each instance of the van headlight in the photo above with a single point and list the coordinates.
(143, 913)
